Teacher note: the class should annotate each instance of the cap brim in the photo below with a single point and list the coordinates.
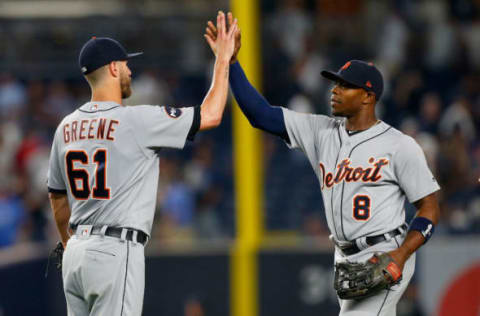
(336, 77)
(331, 75)
(134, 55)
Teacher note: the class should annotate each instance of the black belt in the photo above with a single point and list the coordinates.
(373, 240)
(117, 232)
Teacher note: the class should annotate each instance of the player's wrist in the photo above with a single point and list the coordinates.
(401, 253)
(223, 59)
(399, 256)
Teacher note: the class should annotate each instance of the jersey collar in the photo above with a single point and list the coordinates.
(364, 135)
(92, 107)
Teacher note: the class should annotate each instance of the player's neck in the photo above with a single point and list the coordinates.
(360, 123)
(107, 93)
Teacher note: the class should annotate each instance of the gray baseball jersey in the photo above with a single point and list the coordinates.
(104, 156)
(364, 177)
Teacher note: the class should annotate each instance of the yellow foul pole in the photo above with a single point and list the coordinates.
(248, 162)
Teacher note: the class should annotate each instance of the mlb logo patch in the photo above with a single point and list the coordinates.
(173, 112)
(84, 230)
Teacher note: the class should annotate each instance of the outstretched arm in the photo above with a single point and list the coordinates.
(256, 108)
(211, 110)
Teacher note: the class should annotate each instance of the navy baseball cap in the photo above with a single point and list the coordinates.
(360, 74)
(100, 51)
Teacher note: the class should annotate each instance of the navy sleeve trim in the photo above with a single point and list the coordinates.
(254, 106)
(195, 124)
(57, 191)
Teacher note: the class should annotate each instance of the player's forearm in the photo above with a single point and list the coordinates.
(427, 208)
(61, 213)
(214, 103)
(256, 108)
(412, 242)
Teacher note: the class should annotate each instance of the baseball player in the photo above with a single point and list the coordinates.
(103, 175)
(366, 169)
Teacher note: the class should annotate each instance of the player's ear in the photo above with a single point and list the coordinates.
(113, 69)
(369, 98)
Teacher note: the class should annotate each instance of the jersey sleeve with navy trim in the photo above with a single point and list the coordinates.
(55, 180)
(303, 129)
(164, 126)
(195, 124)
(411, 169)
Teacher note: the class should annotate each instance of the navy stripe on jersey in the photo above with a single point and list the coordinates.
(51, 190)
(195, 124)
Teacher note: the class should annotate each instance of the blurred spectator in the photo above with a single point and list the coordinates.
(179, 203)
(393, 39)
(457, 118)
(207, 224)
(198, 171)
(12, 96)
(300, 103)
(430, 110)
(471, 35)
(175, 202)
(410, 126)
(59, 102)
(307, 68)
(32, 165)
(427, 141)
(338, 41)
(431, 148)
(442, 42)
(149, 89)
(455, 176)
(199, 176)
(10, 137)
(12, 215)
(401, 102)
(291, 25)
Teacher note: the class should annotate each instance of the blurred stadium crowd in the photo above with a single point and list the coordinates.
(428, 51)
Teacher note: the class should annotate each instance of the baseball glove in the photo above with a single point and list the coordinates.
(355, 281)
(57, 255)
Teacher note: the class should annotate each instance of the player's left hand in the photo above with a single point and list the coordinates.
(354, 281)
(211, 37)
(57, 255)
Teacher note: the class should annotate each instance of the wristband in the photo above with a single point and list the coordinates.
(424, 226)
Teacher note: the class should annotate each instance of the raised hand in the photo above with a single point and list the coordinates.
(212, 32)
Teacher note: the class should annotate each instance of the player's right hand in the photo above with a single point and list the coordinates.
(212, 32)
